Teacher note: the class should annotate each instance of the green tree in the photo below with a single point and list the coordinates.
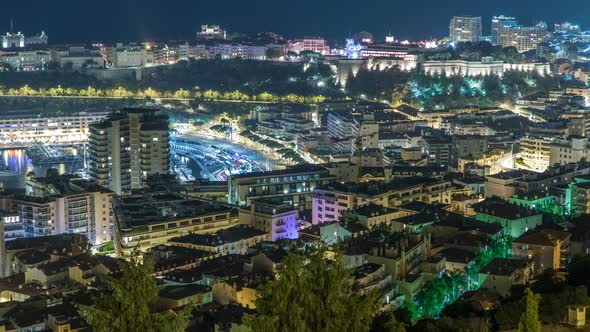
(314, 294)
(128, 306)
(529, 320)
(387, 322)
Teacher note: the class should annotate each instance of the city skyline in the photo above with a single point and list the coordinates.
(148, 20)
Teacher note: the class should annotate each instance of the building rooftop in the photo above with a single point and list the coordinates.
(154, 208)
(365, 270)
(420, 218)
(504, 266)
(457, 255)
(543, 237)
(306, 168)
(183, 291)
(377, 188)
(221, 237)
(503, 209)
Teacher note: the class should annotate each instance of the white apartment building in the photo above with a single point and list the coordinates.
(65, 205)
(46, 127)
(569, 151)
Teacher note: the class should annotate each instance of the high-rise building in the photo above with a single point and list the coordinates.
(129, 146)
(3, 260)
(343, 130)
(500, 25)
(64, 204)
(523, 38)
(465, 29)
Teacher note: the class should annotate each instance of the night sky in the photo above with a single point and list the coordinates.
(120, 20)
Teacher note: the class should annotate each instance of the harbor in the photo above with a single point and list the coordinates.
(214, 159)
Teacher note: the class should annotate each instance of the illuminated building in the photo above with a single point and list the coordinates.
(548, 248)
(386, 51)
(515, 219)
(583, 91)
(571, 150)
(65, 205)
(76, 57)
(465, 29)
(439, 150)
(19, 40)
(345, 67)
(487, 66)
(21, 128)
(502, 274)
(535, 152)
(499, 25)
(277, 219)
(11, 228)
(523, 38)
(330, 201)
(343, 130)
(146, 220)
(131, 56)
(230, 241)
(21, 60)
(232, 51)
(313, 44)
(126, 148)
(291, 185)
(211, 32)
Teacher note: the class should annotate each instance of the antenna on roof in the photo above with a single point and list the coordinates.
(11, 26)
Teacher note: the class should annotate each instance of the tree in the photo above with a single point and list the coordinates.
(387, 322)
(529, 320)
(313, 294)
(128, 304)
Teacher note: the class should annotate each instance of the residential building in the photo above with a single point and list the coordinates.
(535, 152)
(128, 147)
(547, 248)
(22, 127)
(279, 220)
(178, 296)
(439, 150)
(501, 274)
(291, 185)
(65, 204)
(524, 38)
(343, 130)
(499, 26)
(465, 29)
(515, 219)
(146, 220)
(330, 201)
(233, 240)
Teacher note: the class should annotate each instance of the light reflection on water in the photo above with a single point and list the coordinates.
(17, 161)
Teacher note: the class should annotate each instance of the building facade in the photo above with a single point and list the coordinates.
(465, 29)
(128, 147)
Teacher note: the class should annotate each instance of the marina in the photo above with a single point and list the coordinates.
(214, 159)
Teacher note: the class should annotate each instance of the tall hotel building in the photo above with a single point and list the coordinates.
(126, 148)
(500, 26)
(465, 29)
